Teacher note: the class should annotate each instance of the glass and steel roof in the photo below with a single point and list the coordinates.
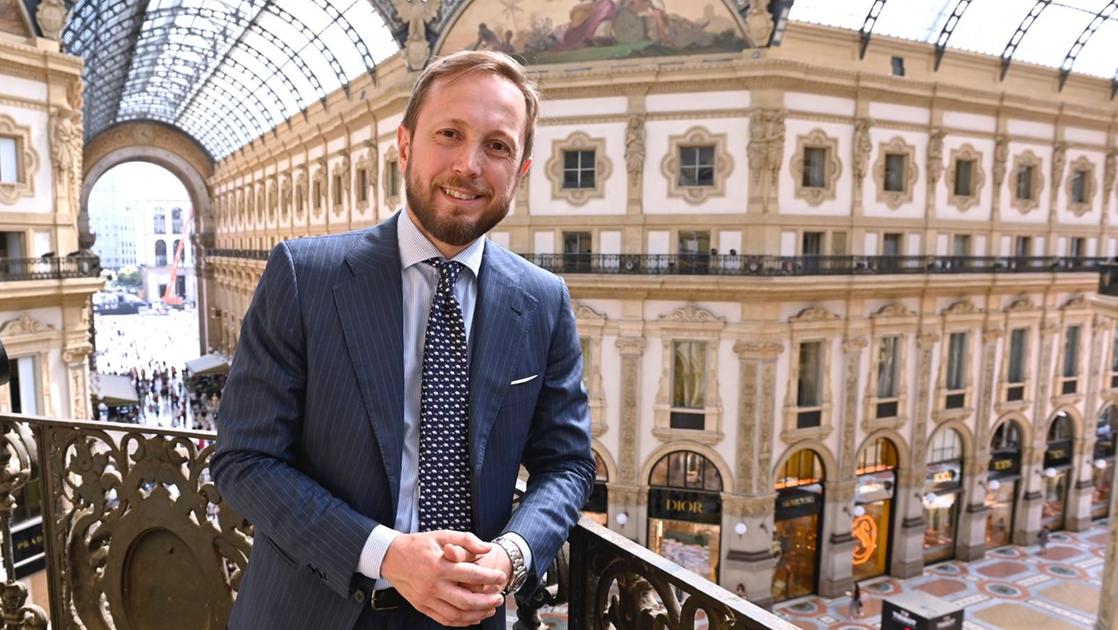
(1078, 36)
(223, 71)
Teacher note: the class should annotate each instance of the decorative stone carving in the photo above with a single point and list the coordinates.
(813, 314)
(893, 310)
(285, 197)
(747, 424)
(1021, 304)
(723, 165)
(768, 419)
(962, 307)
(416, 15)
(1109, 170)
(1001, 156)
(1090, 186)
(758, 25)
(894, 199)
(965, 202)
(24, 325)
(631, 349)
(635, 149)
(555, 167)
(766, 144)
(318, 197)
(853, 347)
(18, 455)
(761, 349)
(1077, 302)
(28, 161)
(926, 342)
(392, 189)
(51, 17)
(862, 148)
(66, 152)
(816, 195)
(1059, 159)
(273, 199)
(1028, 159)
(935, 154)
(691, 313)
(340, 174)
(584, 312)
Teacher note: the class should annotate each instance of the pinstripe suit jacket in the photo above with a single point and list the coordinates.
(311, 431)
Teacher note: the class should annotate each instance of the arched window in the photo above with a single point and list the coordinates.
(1061, 428)
(160, 253)
(1007, 437)
(877, 457)
(1105, 433)
(597, 505)
(688, 470)
(945, 446)
(160, 220)
(803, 468)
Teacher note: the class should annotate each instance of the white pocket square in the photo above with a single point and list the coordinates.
(521, 381)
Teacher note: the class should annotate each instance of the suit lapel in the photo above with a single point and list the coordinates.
(498, 330)
(370, 308)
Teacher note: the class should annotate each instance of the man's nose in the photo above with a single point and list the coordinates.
(468, 160)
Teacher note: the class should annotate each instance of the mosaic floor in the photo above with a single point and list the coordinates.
(1011, 588)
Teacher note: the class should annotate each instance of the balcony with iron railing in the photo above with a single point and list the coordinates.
(769, 266)
(49, 268)
(136, 534)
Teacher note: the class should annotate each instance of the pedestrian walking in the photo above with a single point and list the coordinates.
(1042, 538)
(856, 601)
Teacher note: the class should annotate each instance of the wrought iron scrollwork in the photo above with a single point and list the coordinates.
(17, 449)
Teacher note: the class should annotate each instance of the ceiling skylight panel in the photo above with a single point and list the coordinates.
(1049, 39)
(306, 93)
(308, 12)
(373, 31)
(353, 65)
(849, 14)
(1098, 58)
(919, 20)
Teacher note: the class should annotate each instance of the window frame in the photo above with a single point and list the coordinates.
(810, 325)
(555, 169)
(27, 161)
(965, 152)
(1085, 168)
(670, 165)
(689, 323)
(816, 139)
(896, 147)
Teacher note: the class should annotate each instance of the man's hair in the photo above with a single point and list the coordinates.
(459, 64)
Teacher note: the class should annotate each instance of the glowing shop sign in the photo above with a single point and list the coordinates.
(864, 530)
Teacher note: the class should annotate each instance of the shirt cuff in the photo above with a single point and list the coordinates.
(376, 546)
(525, 550)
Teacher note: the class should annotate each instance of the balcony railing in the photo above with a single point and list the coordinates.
(51, 268)
(740, 265)
(135, 534)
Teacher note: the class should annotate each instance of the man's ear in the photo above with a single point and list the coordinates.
(524, 168)
(403, 147)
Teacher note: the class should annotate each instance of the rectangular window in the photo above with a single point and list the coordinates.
(22, 385)
(362, 185)
(812, 244)
(1025, 183)
(888, 364)
(317, 194)
(1071, 352)
(1114, 353)
(1017, 340)
(838, 243)
(299, 201)
(891, 244)
(688, 385)
(957, 361)
(961, 245)
(815, 167)
(9, 160)
(1077, 247)
(337, 190)
(696, 166)
(1079, 187)
(809, 381)
(895, 171)
(694, 242)
(577, 251)
(578, 169)
(964, 174)
(393, 179)
(1023, 246)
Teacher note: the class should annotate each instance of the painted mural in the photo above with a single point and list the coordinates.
(566, 31)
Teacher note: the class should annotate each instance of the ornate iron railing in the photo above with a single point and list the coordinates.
(50, 268)
(136, 534)
(741, 265)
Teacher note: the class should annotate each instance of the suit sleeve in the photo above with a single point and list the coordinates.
(254, 466)
(557, 456)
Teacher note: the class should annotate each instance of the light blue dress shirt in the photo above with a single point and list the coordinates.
(419, 283)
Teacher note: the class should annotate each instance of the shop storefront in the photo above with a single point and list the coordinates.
(872, 523)
(597, 506)
(1103, 471)
(1057, 471)
(943, 487)
(685, 512)
(798, 522)
(1002, 481)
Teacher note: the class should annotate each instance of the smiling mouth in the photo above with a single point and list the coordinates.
(459, 195)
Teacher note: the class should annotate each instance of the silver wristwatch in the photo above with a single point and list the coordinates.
(519, 569)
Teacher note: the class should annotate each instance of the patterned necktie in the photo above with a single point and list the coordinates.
(444, 461)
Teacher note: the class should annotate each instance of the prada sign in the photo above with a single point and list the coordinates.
(1005, 465)
(681, 505)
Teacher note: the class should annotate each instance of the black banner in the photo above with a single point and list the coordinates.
(28, 545)
(944, 476)
(1058, 453)
(682, 505)
(598, 501)
(1005, 465)
(796, 502)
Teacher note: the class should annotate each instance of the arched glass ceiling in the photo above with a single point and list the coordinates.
(223, 71)
(1078, 36)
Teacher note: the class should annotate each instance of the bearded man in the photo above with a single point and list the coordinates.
(388, 385)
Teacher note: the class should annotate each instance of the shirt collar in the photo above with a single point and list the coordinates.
(416, 248)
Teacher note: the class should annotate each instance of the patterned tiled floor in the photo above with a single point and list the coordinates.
(1011, 588)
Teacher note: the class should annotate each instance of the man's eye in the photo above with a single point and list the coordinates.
(499, 146)
(448, 133)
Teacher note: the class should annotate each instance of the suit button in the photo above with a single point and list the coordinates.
(359, 596)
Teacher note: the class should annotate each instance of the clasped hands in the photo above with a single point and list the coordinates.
(452, 577)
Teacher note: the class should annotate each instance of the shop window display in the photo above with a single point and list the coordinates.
(1001, 483)
(798, 521)
(872, 521)
(942, 489)
(685, 512)
(1102, 475)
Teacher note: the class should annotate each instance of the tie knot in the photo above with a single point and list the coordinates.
(448, 271)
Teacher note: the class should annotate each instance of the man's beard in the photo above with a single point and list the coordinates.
(460, 230)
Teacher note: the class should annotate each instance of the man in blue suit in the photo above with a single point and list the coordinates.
(388, 385)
